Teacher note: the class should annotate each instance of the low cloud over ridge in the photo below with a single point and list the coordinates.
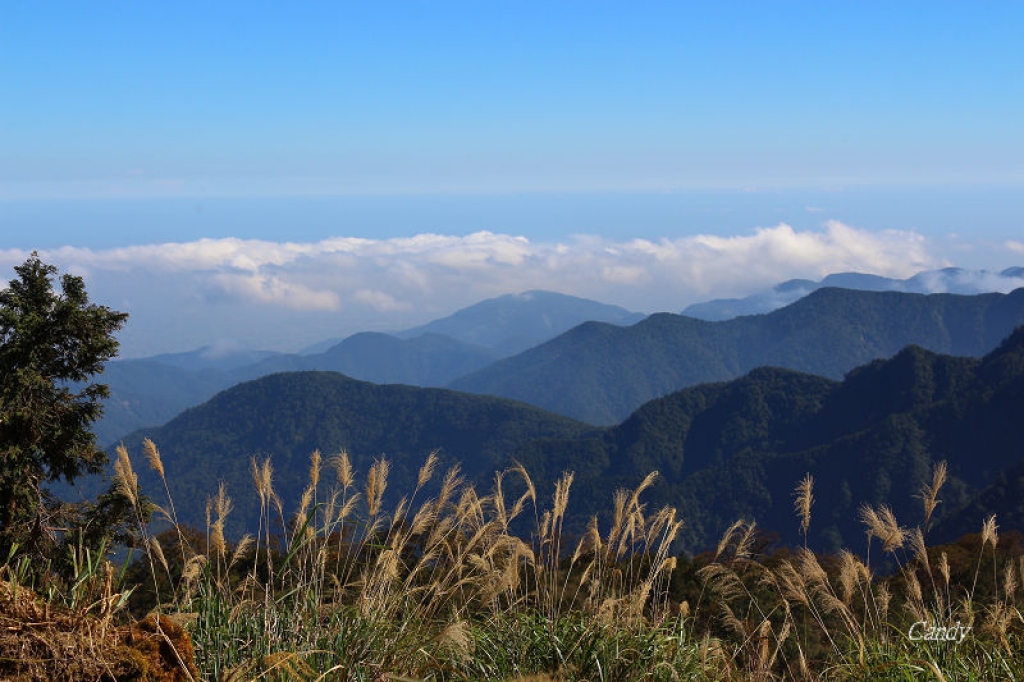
(246, 289)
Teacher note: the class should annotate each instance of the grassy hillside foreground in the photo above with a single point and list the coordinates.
(437, 588)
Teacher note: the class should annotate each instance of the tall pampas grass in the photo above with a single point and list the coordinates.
(804, 495)
(440, 585)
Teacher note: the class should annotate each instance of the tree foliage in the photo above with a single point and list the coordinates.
(51, 346)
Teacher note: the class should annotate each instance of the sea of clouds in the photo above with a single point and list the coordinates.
(283, 295)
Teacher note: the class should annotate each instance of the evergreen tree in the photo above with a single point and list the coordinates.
(51, 346)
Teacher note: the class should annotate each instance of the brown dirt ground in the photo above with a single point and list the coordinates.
(41, 642)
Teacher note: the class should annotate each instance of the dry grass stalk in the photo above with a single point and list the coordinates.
(619, 500)
(305, 503)
(221, 506)
(155, 550)
(1009, 581)
(990, 532)
(790, 582)
(191, 573)
(376, 483)
(427, 470)
(919, 548)
(915, 596)
(849, 572)
(125, 478)
(561, 498)
(804, 499)
(930, 492)
(456, 638)
(727, 538)
(998, 619)
(881, 523)
(883, 598)
(342, 466)
(315, 463)
(152, 454)
(241, 549)
(745, 546)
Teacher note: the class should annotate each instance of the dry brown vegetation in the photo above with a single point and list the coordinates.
(43, 641)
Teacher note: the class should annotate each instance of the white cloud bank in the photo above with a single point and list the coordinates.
(285, 295)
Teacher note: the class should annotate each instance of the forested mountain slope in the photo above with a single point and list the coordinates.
(288, 416)
(737, 449)
(600, 373)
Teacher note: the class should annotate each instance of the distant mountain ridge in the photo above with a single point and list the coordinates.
(944, 281)
(423, 360)
(607, 371)
(514, 322)
(599, 373)
(216, 358)
(149, 391)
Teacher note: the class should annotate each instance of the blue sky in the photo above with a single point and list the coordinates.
(569, 124)
(257, 98)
